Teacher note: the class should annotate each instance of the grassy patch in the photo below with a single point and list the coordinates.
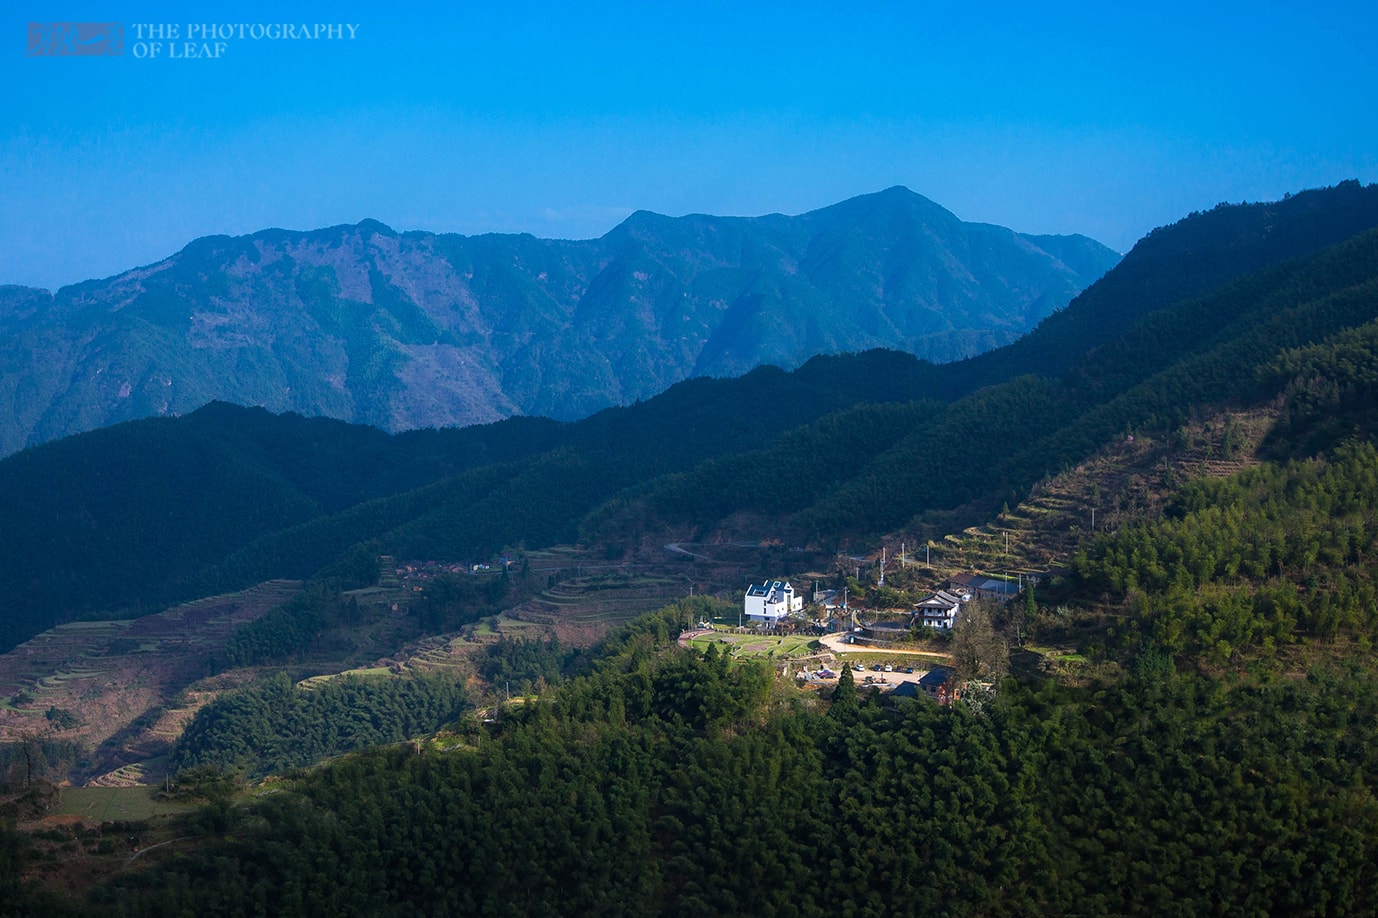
(110, 804)
(751, 645)
(94, 626)
(448, 742)
(315, 681)
(505, 623)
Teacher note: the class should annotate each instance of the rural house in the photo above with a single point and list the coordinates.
(940, 685)
(939, 610)
(768, 602)
(983, 587)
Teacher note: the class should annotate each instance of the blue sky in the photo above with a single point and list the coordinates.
(559, 119)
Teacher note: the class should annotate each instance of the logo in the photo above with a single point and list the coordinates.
(75, 39)
(173, 40)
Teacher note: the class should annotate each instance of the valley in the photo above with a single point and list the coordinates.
(123, 690)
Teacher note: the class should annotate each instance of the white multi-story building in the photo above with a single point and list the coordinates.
(771, 601)
(939, 610)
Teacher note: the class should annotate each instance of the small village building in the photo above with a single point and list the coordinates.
(885, 632)
(939, 610)
(963, 584)
(940, 685)
(983, 587)
(905, 690)
(998, 590)
(767, 603)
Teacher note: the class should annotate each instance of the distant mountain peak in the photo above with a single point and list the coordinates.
(369, 226)
(403, 330)
(894, 202)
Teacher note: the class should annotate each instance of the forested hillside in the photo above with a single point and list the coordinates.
(1212, 750)
(168, 509)
(842, 449)
(1177, 263)
(675, 783)
(274, 727)
(991, 446)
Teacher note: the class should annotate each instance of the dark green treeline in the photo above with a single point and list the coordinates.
(670, 782)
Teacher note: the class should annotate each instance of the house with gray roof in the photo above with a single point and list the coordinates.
(939, 610)
(768, 602)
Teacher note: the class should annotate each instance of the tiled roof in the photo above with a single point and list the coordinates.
(940, 600)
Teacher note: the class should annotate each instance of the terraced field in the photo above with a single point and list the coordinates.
(105, 684)
(583, 608)
(1126, 481)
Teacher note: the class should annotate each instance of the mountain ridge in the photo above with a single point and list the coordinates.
(1185, 259)
(412, 329)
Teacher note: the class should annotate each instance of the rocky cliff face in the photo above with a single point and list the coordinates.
(403, 330)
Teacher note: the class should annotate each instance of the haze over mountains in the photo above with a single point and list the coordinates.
(408, 330)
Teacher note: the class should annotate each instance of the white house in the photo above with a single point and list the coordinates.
(940, 610)
(771, 601)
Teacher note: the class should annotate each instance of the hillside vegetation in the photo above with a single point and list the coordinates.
(1210, 750)
(670, 782)
(841, 449)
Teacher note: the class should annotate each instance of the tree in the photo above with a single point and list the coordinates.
(1020, 612)
(844, 696)
(33, 757)
(980, 653)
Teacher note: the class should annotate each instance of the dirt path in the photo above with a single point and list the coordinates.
(142, 851)
(688, 636)
(838, 644)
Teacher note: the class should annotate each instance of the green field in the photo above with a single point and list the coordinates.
(754, 645)
(111, 804)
